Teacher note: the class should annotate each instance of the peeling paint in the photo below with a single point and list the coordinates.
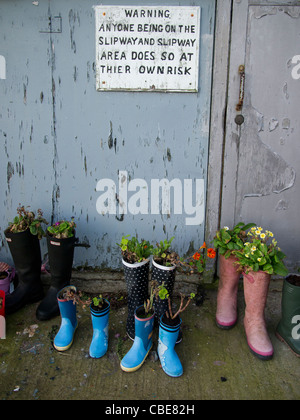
(267, 172)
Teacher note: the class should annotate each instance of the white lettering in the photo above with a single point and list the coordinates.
(296, 330)
(163, 193)
(2, 67)
(296, 69)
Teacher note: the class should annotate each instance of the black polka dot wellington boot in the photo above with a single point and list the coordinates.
(137, 279)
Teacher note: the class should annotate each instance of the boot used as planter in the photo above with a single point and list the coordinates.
(136, 264)
(226, 315)
(288, 330)
(64, 338)
(23, 236)
(60, 254)
(100, 318)
(168, 335)
(137, 279)
(142, 345)
(26, 254)
(2, 316)
(169, 329)
(256, 286)
(163, 276)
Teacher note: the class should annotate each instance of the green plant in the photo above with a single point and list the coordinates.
(198, 261)
(228, 240)
(182, 306)
(157, 291)
(261, 253)
(27, 220)
(62, 229)
(134, 251)
(162, 254)
(98, 301)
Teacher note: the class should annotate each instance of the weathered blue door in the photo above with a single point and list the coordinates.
(125, 160)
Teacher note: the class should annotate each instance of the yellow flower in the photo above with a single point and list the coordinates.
(257, 232)
(262, 235)
(247, 243)
(259, 259)
(247, 255)
(253, 248)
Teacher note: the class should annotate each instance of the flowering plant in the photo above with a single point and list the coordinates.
(162, 254)
(261, 253)
(62, 229)
(134, 251)
(27, 220)
(198, 261)
(227, 240)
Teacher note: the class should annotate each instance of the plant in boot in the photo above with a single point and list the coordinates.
(182, 307)
(136, 264)
(100, 308)
(227, 241)
(164, 265)
(61, 242)
(169, 329)
(64, 338)
(23, 237)
(135, 251)
(62, 229)
(162, 254)
(27, 220)
(261, 253)
(142, 345)
(157, 292)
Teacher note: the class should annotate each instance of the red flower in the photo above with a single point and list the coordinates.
(211, 253)
(197, 256)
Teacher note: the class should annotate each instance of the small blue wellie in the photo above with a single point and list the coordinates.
(166, 342)
(136, 356)
(99, 343)
(65, 335)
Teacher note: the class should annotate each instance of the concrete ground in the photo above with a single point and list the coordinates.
(217, 364)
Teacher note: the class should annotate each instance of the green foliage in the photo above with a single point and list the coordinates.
(27, 220)
(62, 229)
(164, 256)
(261, 253)
(98, 301)
(228, 240)
(133, 250)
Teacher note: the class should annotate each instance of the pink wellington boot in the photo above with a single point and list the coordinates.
(226, 316)
(256, 286)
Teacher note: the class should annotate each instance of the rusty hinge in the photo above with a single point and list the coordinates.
(51, 25)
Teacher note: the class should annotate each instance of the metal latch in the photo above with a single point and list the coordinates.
(239, 119)
(51, 25)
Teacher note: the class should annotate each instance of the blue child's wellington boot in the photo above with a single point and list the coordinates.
(64, 338)
(99, 343)
(166, 342)
(136, 356)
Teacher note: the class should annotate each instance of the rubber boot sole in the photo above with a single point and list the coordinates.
(61, 349)
(134, 369)
(283, 341)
